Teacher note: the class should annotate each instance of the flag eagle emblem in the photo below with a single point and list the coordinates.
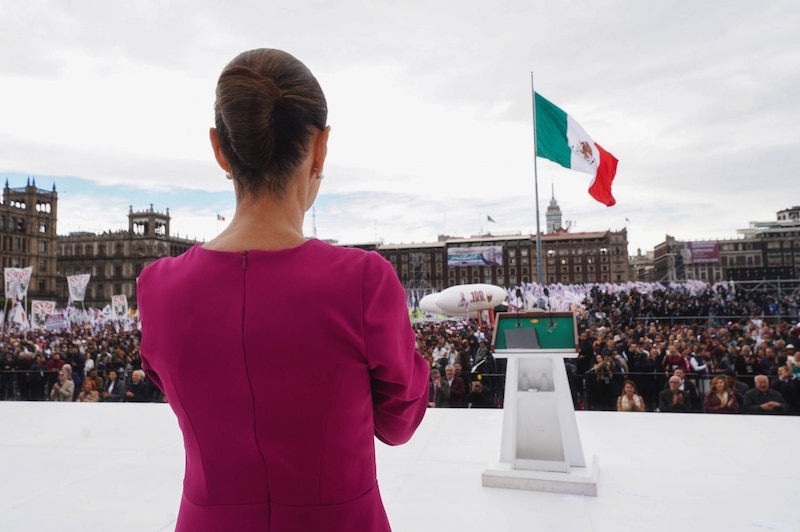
(585, 150)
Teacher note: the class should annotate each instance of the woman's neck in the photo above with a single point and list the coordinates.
(263, 222)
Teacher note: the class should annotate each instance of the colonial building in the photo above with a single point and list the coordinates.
(28, 218)
(642, 266)
(115, 259)
(765, 251)
(566, 258)
(592, 257)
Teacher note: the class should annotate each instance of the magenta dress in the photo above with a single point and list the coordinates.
(281, 366)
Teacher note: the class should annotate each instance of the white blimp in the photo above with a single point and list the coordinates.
(428, 304)
(463, 298)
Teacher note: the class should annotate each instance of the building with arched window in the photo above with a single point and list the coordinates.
(116, 258)
(591, 257)
(28, 235)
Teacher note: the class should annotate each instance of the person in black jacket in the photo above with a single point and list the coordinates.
(137, 391)
(113, 388)
(673, 399)
(762, 399)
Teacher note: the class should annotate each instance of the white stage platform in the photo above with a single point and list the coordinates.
(91, 467)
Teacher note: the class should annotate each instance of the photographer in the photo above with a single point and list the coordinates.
(478, 396)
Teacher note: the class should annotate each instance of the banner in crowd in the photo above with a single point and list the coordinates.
(17, 280)
(700, 252)
(119, 307)
(77, 286)
(57, 321)
(17, 316)
(476, 256)
(40, 310)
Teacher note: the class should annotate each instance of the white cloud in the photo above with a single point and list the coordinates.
(430, 107)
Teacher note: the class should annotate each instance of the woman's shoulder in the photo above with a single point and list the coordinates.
(167, 263)
(356, 257)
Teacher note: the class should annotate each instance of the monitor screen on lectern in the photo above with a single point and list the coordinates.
(521, 338)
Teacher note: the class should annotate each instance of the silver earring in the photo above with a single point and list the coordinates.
(320, 175)
(228, 175)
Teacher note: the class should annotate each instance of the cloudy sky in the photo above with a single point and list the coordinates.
(430, 109)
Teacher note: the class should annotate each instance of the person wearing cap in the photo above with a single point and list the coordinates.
(792, 358)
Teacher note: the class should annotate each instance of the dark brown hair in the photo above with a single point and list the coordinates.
(268, 104)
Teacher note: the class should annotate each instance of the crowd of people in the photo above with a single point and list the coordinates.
(715, 350)
(79, 365)
(637, 351)
(645, 348)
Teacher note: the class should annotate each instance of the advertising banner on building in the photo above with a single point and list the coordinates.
(475, 256)
(700, 252)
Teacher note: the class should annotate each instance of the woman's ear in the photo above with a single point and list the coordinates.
(320, 149)
(221, 160)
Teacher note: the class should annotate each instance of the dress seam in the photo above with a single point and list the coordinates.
(197, 440)
(250, 385)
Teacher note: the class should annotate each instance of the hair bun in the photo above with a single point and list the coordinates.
(267, 105)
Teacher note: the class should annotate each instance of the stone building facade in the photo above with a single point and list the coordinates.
(766, 250)
(28, 217)
(115, 259)
(567, 258)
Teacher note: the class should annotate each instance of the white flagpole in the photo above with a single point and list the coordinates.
(536, 185)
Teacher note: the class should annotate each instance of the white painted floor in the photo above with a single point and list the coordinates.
(118, 467)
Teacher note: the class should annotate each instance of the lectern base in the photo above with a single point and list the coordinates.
(577, 481)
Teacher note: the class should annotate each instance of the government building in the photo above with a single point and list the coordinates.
(115, 259)
(28, 237)
(28, 218)
(766, 250)
(510, 259)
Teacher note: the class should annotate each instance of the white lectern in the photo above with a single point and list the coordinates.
(541, 447)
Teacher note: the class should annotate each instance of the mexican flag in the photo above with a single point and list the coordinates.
(562, 140)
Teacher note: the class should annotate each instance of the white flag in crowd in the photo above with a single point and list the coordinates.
(18, 316)
(119, 306)
(77, 286)
(16, 280)
(40, 310)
